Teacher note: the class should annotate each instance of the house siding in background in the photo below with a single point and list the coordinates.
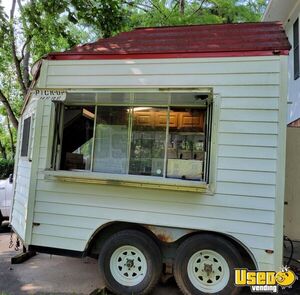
(288, 12)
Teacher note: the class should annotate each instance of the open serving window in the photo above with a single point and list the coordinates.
(163, 134)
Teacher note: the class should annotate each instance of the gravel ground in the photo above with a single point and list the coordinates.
(47, 274)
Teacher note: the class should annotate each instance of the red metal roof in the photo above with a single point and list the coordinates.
(221, 40)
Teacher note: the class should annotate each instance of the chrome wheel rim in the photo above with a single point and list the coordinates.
(128, 265)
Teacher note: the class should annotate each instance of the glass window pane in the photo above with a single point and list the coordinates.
(111, 140)
(81, 98)
(77, 137)
(112, 98)
(25, 137)
(117, 98)
(296, 49)
(148, 141)
(150, 98)
(185, 155)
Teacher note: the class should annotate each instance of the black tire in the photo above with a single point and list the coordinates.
(1, 218)
(150, 254)
(200, 277)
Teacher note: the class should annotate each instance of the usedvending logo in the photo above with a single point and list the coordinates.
(265, 281)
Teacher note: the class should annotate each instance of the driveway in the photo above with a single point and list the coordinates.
(49, 274)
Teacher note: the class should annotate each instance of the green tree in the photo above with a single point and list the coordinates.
(34, 28)
(43, 26)
(179, 12)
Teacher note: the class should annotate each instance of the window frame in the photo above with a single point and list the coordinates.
(296, 56)
(141, 178)
(29, 139)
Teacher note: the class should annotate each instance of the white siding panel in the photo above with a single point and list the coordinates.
(247, 91)
(163, 208)
(248, 127)
(63, 231)
(67, 220)
(58, 242)
(247, 164)
(19, 212)
(258, 242)
(246, 189)
(45, 127)
(18, 222)
(20, 207)
(246, 176)
(42, 163)
(248, 139)
(142, 79)
(44, 141)
(249, 115)
(22, 199)
(263, 256)
(161, 68)
(253, 103)
(234, 197)
(253, 152)
(156, 218)
(23, 172)
(22, 181)
(43, 152)
(266, 266)
(22, 189)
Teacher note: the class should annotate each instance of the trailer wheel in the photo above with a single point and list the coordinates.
(130, 263)
(205, 264)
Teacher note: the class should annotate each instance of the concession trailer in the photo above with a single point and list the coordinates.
(159, 151)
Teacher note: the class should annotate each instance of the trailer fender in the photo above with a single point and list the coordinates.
(161, 234)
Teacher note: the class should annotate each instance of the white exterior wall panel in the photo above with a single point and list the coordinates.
(247, 136)
(22, 180)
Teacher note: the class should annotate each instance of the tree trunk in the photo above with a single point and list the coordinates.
(17, 62)
(181, 6)
(12, 144)
(25, 52)
(9, 110)
(26, 68)
(2, 151)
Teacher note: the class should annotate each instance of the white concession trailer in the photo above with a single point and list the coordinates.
(160, 150)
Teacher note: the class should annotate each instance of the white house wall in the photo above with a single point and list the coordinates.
(244, 202)
(293, 85)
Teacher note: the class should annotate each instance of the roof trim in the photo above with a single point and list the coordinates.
(89, 56)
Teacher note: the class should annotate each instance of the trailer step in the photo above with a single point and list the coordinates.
(22, 257)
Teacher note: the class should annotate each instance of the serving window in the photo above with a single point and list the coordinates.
(162, 135)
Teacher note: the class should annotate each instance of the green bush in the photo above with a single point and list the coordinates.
(6, 168)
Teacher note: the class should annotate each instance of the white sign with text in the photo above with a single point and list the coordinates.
(50, 94)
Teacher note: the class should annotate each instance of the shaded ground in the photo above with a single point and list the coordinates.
(47, 274)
